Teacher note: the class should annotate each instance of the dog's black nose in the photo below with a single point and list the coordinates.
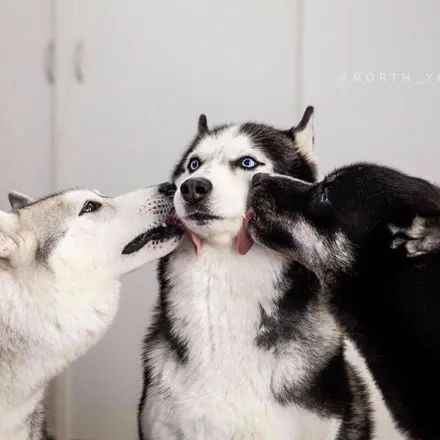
(167, 189)
(196, 190)
(258, 178)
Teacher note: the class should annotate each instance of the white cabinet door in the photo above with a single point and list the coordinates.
(135, 75)
(25, 98)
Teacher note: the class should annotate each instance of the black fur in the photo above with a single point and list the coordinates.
(203, 124)
(146, 384)
(162, 326)
(161, 329)
(279, 147)
(291, 307)
(336, 389)
(386, 297)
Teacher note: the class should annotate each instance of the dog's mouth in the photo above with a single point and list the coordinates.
(171, 229)
(243, 238)
(202, 217)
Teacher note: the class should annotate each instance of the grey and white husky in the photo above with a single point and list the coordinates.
(61, 258)
(242, 346)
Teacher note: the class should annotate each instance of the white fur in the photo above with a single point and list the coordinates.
(321, 251)
(305, 140)
(51, 311)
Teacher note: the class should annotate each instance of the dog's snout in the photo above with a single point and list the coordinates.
(258, 179)
(167, 189)
(196, 189)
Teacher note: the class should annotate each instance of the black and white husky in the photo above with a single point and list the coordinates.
(61, 258)
(372, 237)
(241, 346)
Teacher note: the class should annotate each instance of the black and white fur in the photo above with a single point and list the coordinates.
(242, 346)
(372, 237)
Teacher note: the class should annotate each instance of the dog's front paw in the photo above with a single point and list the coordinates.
(420, 238)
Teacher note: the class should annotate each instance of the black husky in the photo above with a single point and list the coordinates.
(372, 237)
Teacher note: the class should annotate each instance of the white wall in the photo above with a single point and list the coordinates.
(391, 122)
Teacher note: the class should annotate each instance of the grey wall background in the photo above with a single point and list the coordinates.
(391, 114)
(25, 98)
(149, 68)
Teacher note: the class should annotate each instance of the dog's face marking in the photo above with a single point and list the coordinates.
(320, 224)
(214, 175)
(218, 159)
(84, 230)
(290, 221)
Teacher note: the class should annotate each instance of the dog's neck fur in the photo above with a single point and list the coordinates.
(218, 299)
(223, 301)
(42, 330)
(227, 286)
(227, 271)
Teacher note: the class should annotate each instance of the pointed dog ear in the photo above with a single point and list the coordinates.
(7, 244)
(421, 237)
(203, 124)
(18, 200)
(304, 134)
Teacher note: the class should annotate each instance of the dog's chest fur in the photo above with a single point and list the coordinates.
(226, 383)
(41, 331)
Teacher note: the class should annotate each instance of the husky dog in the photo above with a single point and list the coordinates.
(60, 261)
(242, 347)
(372, 237)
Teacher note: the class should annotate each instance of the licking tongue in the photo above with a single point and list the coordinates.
(243, 238)
(195, 240)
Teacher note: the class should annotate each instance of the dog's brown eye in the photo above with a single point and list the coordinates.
(90, 206)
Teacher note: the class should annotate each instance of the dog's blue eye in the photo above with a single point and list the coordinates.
(193, 164)
(248, 163)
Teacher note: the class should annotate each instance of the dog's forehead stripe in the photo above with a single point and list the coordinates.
(80, 195)
(230, 143)
(264, 142)
(67, 195)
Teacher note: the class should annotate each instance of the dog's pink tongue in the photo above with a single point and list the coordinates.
(195, 240)
(243, 238)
